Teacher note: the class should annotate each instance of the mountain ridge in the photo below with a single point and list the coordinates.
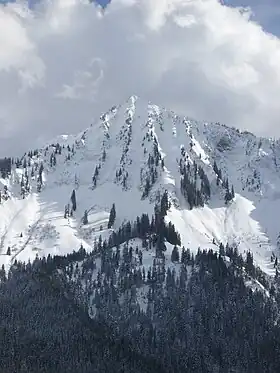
(130, 156)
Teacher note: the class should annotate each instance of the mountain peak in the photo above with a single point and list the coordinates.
(222, 184)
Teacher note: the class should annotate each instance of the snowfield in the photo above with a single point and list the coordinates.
(110, 162)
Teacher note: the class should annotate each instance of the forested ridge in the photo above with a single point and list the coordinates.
(82, 312)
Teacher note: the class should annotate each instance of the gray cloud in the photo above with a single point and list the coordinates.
(67, 61)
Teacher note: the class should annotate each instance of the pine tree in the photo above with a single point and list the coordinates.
(222, 251)
(147, 188)
(85, 218)
(227, 196)
(164, 204)
(215, 168)
(249, 264)
(183, 255)
(73, 200)
(175, 254)
(39, 187)
(2, 274)
(41, 169)
(112, 216)
(104, 155)
(66, 211)
(232, 192)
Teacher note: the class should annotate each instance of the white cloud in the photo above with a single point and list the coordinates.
(64, 63)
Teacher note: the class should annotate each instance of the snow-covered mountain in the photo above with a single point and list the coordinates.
(223, 185)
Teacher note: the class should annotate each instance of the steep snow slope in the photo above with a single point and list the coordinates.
(129, 156)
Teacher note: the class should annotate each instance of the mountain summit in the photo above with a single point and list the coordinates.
(222, 185)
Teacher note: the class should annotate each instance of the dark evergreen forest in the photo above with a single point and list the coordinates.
(80, 313)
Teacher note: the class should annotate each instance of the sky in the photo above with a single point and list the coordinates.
(265, 12)
(65, 62)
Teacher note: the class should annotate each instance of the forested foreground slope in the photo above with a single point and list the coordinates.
(80, 313)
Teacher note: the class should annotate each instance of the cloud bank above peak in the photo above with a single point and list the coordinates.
(66, 61)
